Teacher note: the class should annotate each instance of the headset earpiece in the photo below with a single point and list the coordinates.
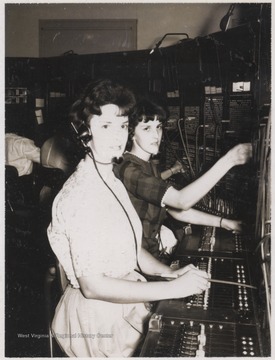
(83, 134)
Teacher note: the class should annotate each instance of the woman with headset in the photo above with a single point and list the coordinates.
(153, 197)
(96, 235)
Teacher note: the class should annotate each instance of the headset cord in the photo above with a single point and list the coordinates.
(90, 153)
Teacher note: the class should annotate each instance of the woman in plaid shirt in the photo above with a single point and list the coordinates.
(154, 197)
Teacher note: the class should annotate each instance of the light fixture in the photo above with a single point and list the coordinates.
(161, 40)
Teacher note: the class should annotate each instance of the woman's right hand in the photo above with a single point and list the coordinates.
(191, 281)
(239, 154)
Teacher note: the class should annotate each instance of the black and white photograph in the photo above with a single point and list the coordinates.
(137, 181)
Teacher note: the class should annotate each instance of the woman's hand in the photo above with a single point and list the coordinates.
(183, 270)
(177, 167)
(190, 281)
(232, 225)
(240, 154)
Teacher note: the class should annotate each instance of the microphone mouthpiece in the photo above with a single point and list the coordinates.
(116, 160)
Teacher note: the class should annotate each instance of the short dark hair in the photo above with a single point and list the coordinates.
(145, 110)
(99, 93)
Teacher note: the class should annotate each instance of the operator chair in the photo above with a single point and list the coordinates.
(55, 285)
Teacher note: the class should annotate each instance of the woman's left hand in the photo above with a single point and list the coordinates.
(171, 274)
(236, 226)
(177, 167)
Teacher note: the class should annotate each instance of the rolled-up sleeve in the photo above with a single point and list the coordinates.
(144, 186)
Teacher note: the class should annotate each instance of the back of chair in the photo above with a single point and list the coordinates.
(55, 284)
(13, 193)
(56, 152)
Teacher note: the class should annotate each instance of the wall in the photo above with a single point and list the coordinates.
(154, 20)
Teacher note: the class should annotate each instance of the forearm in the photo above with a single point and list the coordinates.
(150, 265)
(189, 281)
(105, 288)
(196, 217)
(166, 174)
(192, 193)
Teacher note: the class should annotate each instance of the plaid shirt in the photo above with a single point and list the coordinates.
(146, 190)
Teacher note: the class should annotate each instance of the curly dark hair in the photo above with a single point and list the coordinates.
(97, 94)
(145, 110)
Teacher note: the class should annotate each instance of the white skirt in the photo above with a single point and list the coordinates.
(93, 328)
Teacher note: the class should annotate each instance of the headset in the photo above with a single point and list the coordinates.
(83, 134)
